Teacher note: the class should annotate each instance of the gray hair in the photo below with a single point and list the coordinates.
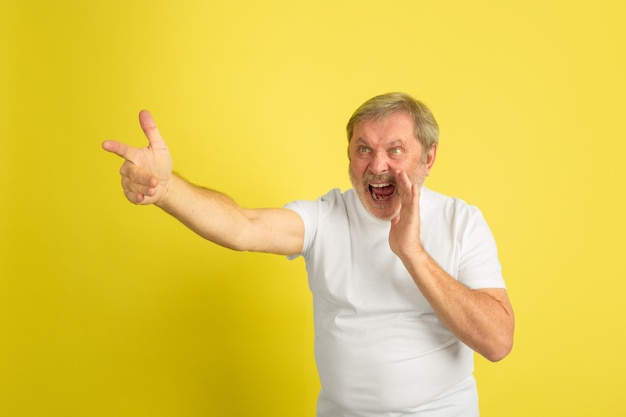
(426, 128)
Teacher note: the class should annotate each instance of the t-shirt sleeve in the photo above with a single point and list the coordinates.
(312, 214)
(479, 264)
(307, 211)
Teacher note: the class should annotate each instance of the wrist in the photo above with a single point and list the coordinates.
(167, 196)
(414, 256)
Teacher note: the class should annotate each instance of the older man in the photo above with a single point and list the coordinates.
(406, 282)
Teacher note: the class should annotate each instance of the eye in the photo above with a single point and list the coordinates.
(363, 149)
(395, 151)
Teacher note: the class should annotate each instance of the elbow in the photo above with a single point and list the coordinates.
(501, 342)
(499, 351)
(500, 347)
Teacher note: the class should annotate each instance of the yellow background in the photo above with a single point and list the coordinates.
(107, 309)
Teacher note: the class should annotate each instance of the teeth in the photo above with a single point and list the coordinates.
(380, 185)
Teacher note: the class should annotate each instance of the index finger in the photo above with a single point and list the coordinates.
(118, 148)
(404, 182)
(409, 190)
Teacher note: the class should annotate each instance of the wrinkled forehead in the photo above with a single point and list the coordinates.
(398, 125)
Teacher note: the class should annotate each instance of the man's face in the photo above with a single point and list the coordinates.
(379, 149)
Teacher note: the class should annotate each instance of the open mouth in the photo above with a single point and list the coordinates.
(382, 192)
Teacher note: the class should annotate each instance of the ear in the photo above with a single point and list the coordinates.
(429, 161)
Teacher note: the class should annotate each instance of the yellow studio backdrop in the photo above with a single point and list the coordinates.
(108, 309)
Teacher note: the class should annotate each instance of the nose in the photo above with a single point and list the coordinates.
(379, 163)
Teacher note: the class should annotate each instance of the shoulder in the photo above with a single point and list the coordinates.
(323, 203)
(445, 214)
(435, 203)
(327, 212)
(460, 240)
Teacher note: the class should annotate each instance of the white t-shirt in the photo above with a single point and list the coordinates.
(379, 347)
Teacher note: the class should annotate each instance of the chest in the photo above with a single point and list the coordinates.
(352, 267)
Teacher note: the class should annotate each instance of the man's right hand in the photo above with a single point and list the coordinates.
(146, 172)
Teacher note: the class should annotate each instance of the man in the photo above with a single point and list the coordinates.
(406, 282)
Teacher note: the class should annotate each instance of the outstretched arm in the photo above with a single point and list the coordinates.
(483, 318)
(147, 178)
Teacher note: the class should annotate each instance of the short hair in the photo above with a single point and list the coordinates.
(426, 129)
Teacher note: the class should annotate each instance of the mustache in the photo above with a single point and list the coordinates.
(390, 178)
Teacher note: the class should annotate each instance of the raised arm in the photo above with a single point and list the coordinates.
(147, 178)
(482, 318)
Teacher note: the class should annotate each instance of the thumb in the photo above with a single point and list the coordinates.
(149, 128)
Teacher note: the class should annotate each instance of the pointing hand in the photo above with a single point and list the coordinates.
(146, 172)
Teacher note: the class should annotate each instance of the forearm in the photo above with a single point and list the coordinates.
(208, 213)
(482, 319)
(218, 218)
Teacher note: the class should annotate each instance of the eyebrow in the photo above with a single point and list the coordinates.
(396, 142)
(393, 143)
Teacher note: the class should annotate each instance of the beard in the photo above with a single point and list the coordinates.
(381, 202)
(379, 194)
